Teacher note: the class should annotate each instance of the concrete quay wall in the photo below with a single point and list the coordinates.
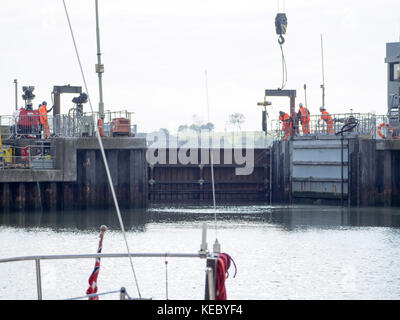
(78, 180)
(315, 170)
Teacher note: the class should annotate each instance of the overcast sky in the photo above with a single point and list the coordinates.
(156, 52)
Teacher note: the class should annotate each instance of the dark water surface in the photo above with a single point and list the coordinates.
(282, 252)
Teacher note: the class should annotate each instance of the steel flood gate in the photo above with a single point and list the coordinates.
(319, 168)
(179, 183)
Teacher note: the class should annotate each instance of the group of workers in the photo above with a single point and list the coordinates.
(303, 115)
(29, 122)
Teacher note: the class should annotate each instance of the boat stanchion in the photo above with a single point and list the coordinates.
(210, 279)
(216, 248)
(122, 295)
(211, 284)
(38, 279)
(203, 247)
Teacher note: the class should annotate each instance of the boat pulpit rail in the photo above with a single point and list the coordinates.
(123, 294)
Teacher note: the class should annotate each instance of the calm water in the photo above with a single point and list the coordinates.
(296, 252)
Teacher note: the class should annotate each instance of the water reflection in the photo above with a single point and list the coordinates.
(82, 220)
(285, 217)
(288, 217)
(283, 252)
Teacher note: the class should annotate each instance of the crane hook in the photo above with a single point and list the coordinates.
(281, 26)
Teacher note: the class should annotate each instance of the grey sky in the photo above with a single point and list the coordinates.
(155, 53)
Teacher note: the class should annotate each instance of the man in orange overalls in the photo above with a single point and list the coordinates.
(43, 119)
(286, 124)
(328, 119)
(304, 116)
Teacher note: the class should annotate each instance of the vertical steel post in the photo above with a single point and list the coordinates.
(323, 74)
(211, 284)
(341, 164)
(122, 295)
(203, 246)
(358, 178)
(16, 94)
(349, 175)
(99, 66)
(293, 115)
(57, 103)
(270, 174)
(211, 274)
(305, 96)
(38, 280)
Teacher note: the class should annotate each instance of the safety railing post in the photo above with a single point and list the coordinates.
(210, 293)
(210, 286)
(38, 279)
(122, 295)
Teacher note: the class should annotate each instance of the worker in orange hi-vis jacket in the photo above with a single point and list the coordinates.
(286, 124)
(304, 116)
(328, 119)
(43, 119)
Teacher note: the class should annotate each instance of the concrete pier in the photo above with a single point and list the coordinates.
(379, 172)
(361, 171)
(78, 179)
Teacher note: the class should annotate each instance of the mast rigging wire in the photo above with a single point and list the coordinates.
(211, 157)
(102, 150)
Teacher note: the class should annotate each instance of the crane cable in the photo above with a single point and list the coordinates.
(284, 69)
(102, 151)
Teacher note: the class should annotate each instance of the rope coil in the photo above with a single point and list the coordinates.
(223, 265)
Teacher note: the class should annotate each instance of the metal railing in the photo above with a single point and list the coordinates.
(39, 156)
(367, 124)
(123, 295)
(109, 115)
(62, 125)
(203, 253)
(38, 259)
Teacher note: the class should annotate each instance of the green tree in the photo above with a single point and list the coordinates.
(236, 119)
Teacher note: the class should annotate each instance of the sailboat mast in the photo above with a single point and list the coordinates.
(99, 65)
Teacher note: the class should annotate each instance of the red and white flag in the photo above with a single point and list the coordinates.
(93, 277)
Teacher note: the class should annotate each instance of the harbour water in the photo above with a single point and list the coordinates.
(282, 252)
